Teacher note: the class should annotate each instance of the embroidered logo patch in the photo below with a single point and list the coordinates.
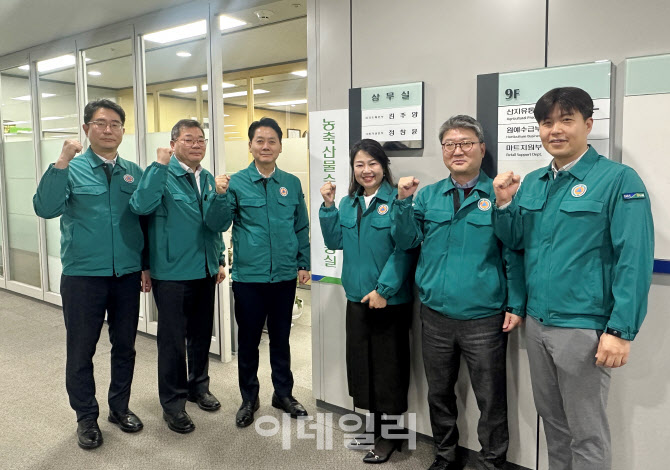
(484, 204)
(628, 196)
(579, 190)
(210, 187)
(283, 191)
(382, 209)
(128, 178)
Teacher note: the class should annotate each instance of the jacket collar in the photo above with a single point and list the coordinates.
(255, 175)
(580, 170)
(384, 194)
(482, 186)
(95, 161)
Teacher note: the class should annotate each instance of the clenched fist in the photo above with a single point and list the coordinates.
(407, 186)
(70, 149)
(163, 155)
(328, 194)
(222, 182)
(505, 186)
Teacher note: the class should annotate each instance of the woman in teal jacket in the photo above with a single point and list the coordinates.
(379, 295)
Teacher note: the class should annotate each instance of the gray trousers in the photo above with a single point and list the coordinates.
(570, 394)
(483, 345)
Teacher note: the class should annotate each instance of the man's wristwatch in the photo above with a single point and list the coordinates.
(302, 268)
(613, 332)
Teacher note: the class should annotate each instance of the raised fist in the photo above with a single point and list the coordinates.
(505, 186)
(163, 155)
(70, 149)
(407, 186)
(328, 194)
(222, 182)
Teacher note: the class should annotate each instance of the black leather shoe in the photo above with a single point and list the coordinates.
(440, 463)
(383, 450)
(245, 415)
(290, 405)
(206, 401)
(88, 434)
(126, 420)
(179, 422)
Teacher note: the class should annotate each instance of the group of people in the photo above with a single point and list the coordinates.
(571, 249)
(126, 231)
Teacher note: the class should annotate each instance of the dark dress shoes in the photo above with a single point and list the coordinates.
(245, 415)
(440, 463)
(206, 401)
(88, 434)
(289, 404)
(383, 450)
(126, 420)
(179, 422)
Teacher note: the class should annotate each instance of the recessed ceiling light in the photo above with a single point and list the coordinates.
(188, 89)
(300, 73)
(27, 97)
(223, 85)
(287, 103)
(227, 22)
(190, 30)
(53, 64)
(14, 123)
(52, 118)
(94, 73)
(184, 54)
(234, 94)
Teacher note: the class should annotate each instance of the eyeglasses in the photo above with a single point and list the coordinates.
(466, 146)
(191, 142)
(102, 125)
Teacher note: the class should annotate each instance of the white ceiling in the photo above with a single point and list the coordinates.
(27, 23)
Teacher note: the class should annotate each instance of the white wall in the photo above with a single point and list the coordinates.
(446, 45)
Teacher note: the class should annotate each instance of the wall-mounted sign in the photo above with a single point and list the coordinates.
(505, 104)
(645, 124)
(391, 115)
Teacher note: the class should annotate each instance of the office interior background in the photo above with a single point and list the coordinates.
(227, 63)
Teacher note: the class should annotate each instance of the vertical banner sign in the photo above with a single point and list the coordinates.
(328, 162)
(646, 122)
(517, 145)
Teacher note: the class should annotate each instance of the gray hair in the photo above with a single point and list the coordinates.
(184, 124)
(462, 121)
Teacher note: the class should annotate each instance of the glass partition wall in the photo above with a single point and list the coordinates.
(160, 69)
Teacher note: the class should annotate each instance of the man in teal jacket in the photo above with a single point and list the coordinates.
(101, 254)
(471, 290)
(585, 224)
(187, 261)
(270, 246)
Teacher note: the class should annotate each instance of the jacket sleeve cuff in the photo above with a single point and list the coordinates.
(626, 333)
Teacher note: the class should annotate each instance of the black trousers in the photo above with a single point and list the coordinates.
(185, 321)
(483, 345)
(378, 356)
(254, 303)
(85, 301)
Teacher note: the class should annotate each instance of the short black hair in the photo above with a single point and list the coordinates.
(184, 123)
(568, 99)
(264, 122)
(376, 151)
(93, 106)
